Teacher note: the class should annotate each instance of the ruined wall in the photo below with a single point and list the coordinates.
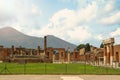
(117, 53)
(1, 53)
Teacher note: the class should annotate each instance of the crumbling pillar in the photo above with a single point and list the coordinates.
(108, 55)
(13, 50)
(59, 56)
(53, 57)
(31, 52)
(38, 50)
(68, 55)
(111, 54)
(45, 44)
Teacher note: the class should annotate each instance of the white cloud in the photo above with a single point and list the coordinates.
(21, 13)
(72, 17)
(65, 19)
(79, 34)
(66, 24)
(99, 37)
(117, 40)
(72, 23)
(109, 6)
(112, 19)
(35, 10)
(88, 13)
(115, 33)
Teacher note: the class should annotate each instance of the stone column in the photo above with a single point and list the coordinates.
(105, 54)
(53, 57)
(68, 55)
(118, 57)
(21, 52)
(111, 54)
(108, 54)
(38, 50)
(45, 44)
(59, 57)
(31, 52)
(13, 49)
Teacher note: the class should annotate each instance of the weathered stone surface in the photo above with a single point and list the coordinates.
(108, 41)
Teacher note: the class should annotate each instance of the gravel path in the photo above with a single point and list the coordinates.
(58, 77)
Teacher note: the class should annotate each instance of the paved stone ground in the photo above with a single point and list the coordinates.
(71, 78)
(58, 77)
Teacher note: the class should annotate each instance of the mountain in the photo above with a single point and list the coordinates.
(10, 36)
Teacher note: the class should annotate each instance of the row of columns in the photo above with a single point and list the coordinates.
(108, 54)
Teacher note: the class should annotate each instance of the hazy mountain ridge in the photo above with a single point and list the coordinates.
(10, 36)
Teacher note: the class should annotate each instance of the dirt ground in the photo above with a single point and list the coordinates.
(58, 77)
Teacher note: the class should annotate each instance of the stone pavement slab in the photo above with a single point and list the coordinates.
(30, 77)
(71, 78)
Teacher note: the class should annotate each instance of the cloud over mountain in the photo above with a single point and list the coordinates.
(10, 36)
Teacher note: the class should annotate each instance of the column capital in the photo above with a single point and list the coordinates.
(105, 45)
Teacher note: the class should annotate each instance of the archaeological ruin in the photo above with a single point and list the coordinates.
(109, 55)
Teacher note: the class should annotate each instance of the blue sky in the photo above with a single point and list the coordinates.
(76, 21)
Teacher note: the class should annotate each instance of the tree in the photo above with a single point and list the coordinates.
(87, 47)
(80, 46)
(101, 46)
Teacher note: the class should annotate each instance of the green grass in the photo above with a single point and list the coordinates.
(49, 68)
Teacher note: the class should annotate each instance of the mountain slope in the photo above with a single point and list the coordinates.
(9, 36)
(53, 41)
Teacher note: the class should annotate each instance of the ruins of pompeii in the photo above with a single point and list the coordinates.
(109, 55)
